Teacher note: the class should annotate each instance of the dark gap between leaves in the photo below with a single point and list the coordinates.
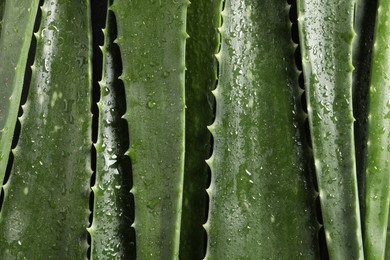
(127, 198)
(362, 54)
(324, 255)
(98, 11)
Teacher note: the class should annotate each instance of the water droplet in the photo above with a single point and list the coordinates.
(151, 104)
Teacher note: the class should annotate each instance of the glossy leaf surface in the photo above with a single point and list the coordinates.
(151, 38)
(260, 197)
(17, 25)
(111, 232)
(326, 34)
(377, 178)
(45, 210)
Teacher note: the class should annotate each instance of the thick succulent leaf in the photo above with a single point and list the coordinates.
(45, 210)
(16, 33)
(326, 34)
(377, 178)
(151, 37)
(111, 234)
(260, 198)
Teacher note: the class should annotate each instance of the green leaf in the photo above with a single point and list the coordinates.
(111, 233)
(260, 197)
(151, 37)
(45, 210)
(326, 34)
(377, 178)
(16, 34)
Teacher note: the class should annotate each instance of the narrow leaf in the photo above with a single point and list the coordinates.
(111, 234)
(16, 34)
(377, 178)
(326, 34)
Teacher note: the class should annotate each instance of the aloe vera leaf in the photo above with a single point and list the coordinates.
(16, 34)
(364, 22)
(110, 230)
(377, 179)
(46, 203)
(203, 19)
(151, 38)
(326, 34)
(259, 188)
